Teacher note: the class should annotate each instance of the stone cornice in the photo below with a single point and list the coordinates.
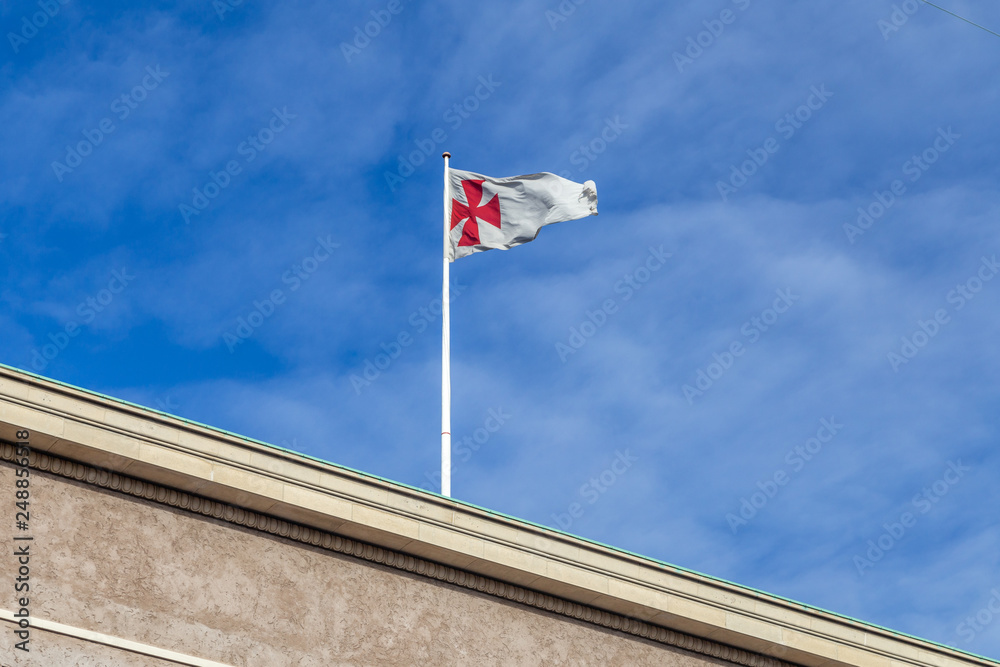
(182, 457)
(137, 488)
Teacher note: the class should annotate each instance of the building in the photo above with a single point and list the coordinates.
(157, 541)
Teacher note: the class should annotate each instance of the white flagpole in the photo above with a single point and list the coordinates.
(446, 347)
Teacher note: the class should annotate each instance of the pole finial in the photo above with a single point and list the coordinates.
(446, 154)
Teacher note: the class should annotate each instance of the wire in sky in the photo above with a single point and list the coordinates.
(959, 17)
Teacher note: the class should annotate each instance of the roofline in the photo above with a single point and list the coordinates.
(49, 384)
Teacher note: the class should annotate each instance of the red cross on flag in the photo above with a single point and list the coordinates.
(489, 213)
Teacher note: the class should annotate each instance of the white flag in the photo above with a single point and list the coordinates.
(489, 213)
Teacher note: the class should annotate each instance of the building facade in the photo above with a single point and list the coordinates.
(150, 540)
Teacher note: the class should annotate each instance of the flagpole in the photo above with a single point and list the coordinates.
(446, 348)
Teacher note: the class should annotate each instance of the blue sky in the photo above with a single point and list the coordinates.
(795, 384)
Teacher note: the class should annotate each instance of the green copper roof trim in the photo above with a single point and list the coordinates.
(549, 529)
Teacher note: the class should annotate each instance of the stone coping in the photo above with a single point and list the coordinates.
(118, 437)
(397, 560)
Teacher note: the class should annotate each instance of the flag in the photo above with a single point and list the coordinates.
(488, 213)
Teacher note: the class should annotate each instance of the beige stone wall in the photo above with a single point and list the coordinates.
(138, 570)
(49, 649)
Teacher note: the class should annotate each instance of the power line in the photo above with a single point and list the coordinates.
(959, 17)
